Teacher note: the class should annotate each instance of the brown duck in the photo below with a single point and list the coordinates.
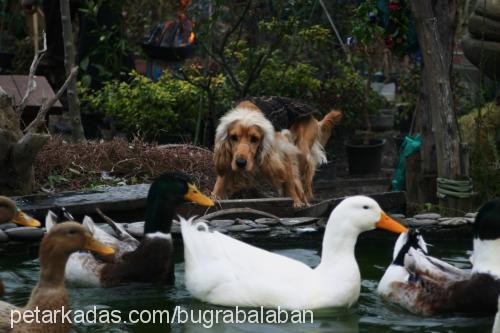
(50, 293)
(9, 213)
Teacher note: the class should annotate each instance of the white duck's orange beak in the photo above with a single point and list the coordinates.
(390, 224)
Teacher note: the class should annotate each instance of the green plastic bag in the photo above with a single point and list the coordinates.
(411, 145)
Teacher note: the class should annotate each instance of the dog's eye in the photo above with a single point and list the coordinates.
(254, 139)
(233, 138)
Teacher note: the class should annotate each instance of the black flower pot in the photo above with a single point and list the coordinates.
(364, 158)
(326, 172)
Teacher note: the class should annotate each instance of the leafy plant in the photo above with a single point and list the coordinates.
(346, 91)
(481, 129)
(146, 107)
(107, 59)
(368, 40)
(12, 19)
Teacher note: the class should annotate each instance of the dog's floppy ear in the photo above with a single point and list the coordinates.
(222, 157)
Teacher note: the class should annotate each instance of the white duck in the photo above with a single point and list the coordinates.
(225, 271)
(427, 285)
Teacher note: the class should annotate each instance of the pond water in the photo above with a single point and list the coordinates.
(370, 314)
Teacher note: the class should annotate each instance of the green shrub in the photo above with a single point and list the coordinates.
(481, 130)
(146, 107)
(346, 90)
(280, 79)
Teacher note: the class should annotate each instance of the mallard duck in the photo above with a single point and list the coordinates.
(150, 260)
(50, 292)
(224, 271)
(10, 213)
(496, 325)
(426, 285)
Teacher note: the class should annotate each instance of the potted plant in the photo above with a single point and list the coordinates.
(326, 172)
(365, 153)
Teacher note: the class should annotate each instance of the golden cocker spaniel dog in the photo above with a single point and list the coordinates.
(246, 143)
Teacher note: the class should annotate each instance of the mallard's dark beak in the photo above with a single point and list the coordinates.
(94, 245)
(390, 224)
(195, 195)
(24, 219)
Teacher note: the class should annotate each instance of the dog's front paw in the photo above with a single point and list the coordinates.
(299, 204)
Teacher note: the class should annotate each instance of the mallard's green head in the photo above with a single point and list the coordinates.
(487, 223)
(166, 193)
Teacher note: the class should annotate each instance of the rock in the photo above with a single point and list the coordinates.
(25, 233)
(489, 8)
(422, 222)
(397, 216)
(3, 236)
(252, 224)
(244, 221)
(413, 222)
(238, 228)
(258, 230)
(221, 223)
(267, 221)
(427, 216)
(6, 226)
(221, 230)
(483, 54)
(482, 27)
(298, 220)
(136, 229)
(471, 215)
(305, 230)
(452, 221)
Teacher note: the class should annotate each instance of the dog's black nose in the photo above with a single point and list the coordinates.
(241, 162)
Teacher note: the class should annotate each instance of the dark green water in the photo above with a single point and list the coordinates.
(370, 314)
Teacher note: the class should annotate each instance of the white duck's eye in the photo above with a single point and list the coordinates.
(365, 207)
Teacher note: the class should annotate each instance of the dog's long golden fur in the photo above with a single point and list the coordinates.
(246, 142)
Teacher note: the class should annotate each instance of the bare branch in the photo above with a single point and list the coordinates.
(337, 34)
(221, 60)
(31, 86)
(228, 34)
(40, 117)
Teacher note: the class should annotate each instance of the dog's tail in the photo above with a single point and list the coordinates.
(326, 125)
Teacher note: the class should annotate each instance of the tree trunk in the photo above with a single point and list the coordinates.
(436, 22)
(427, 168)
(69, 62)
(17, 151)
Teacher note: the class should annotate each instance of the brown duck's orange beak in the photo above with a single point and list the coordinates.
(195, 195)
(24, 219)
(94, 245)
(390, 224)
